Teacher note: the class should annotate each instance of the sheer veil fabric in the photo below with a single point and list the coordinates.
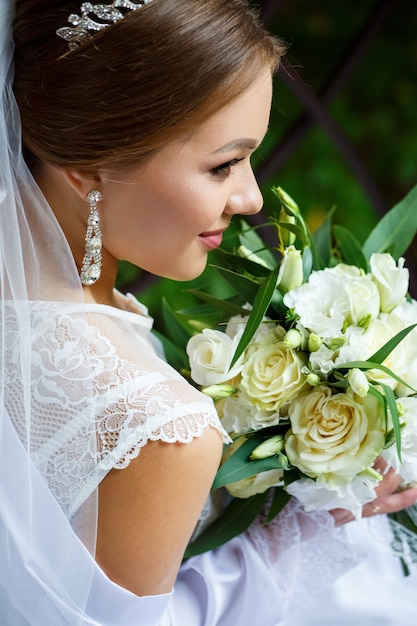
(37, 542)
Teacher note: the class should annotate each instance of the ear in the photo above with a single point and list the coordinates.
(81, 182)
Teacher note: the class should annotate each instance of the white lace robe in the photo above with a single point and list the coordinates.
(100, 392)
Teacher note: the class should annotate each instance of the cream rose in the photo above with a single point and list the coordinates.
(272, 376)
(334, 434)
(210, 354)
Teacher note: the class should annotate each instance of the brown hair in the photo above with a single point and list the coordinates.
(136, 84)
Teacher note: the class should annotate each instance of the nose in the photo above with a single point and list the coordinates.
(246, 198)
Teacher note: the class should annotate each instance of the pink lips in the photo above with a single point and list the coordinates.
(212, 239)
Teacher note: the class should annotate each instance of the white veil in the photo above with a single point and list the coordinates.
(46, 572)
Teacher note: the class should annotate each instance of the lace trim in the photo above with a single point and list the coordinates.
(307, 547)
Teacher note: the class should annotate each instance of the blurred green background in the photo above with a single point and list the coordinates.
(356, 148)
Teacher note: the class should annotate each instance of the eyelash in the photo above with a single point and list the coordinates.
(223, 170)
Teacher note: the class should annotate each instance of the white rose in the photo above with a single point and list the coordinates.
(236, 325)
(210, 354)
(408, 468)
(407, 313)
(361, 291)
(363, 344)
(318, 495)
(239, 415)
(322, 303)
(390, 278)
(363, 300)
(272, 376)
(255, 484)
(334, 435)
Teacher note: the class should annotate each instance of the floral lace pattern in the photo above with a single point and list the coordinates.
(99, 394)
(307, 547)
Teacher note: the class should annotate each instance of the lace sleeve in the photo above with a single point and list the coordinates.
(100, 393)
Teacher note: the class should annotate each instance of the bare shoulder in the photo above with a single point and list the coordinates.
(148, 511)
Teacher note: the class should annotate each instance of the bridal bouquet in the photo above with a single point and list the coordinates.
(312, 366)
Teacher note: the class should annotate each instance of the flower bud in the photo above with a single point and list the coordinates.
(286, 236)
(292, 339)
(336, 343)
(314, 342)
(288, 203)
(217, 392)
(270, 447)
(291, 270)
(358, 381)
(313, 379)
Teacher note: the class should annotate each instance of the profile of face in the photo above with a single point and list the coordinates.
(167, 214)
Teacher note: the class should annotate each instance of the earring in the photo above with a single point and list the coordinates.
(91, 267)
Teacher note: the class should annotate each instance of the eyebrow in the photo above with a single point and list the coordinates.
(242, 144)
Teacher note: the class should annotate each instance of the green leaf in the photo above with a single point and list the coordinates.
(322, 243)
(249, 238)
(350, 248)
(389, 394)
(371, 365)
(236, 518)
(279, 499)
(175, 357)
(388, 347)
(236, 262)
(260, 305)
(245, 287)
(308, 262)
(239, 465)
(396, 230)
(175, 331)
(216, 304)
(297, 231)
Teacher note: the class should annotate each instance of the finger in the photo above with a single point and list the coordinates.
(389, 483)
(390, 504)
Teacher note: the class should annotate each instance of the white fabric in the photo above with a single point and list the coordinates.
(374, 593)
(81, 391)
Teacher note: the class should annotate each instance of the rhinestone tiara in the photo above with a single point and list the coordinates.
(95, 17)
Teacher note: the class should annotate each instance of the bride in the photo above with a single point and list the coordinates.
(137, 121)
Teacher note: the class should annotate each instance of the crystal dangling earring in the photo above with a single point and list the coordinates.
(91, 267)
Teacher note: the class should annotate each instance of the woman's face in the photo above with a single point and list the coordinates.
(169, 213)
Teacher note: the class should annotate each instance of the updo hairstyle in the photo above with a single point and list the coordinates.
(135, 85)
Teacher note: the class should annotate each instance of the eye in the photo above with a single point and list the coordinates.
(224, 169)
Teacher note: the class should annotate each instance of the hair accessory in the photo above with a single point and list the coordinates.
(91, 267)
(104, 15)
